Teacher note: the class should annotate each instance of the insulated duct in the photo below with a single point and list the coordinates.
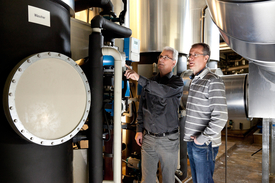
(240, 24)
(236, 89)
(212, 38)
(242, 29)
(158, 29)
(179, 27)
(94, 69)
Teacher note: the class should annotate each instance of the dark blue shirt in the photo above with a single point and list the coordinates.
(193, 75)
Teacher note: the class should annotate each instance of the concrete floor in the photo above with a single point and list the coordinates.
(243, 166)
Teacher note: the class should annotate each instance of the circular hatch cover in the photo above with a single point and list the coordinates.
(47, 98)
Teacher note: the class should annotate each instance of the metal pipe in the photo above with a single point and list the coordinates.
(177, 179)
(183, 150)
(188, 180)
(272, 148)
(265, 150)
(117, 110)
(236, 68)
(202, 23)
(225, 176)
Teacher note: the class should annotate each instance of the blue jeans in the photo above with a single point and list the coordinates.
(215, 152)
(202, 162)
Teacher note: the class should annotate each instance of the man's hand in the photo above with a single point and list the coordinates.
(129, 73)
(195, 140)
(138, 138)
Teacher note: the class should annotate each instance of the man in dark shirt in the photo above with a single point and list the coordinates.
(158, 117)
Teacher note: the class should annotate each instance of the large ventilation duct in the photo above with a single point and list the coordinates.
(241, 25)
(174, 23)
(212, 38)
(236, 87)
(161, 24)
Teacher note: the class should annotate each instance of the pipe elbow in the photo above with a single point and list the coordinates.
(113, 52)
(97, 21)
(113, 30)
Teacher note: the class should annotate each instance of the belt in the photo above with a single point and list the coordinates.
(161, 134)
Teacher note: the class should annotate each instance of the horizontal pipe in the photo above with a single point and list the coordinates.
(114, 30)
(236, 68)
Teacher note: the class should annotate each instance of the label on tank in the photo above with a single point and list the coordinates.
(39, 16)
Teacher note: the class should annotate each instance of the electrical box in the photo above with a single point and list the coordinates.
(132, 49)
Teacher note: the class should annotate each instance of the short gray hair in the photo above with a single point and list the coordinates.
(174, 51)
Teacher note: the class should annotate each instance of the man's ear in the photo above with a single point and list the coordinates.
(174, 62)
(206, 58)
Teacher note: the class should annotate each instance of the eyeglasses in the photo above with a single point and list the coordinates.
(164, 57)
(194, 55)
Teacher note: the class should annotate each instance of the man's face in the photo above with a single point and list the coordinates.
(166, 64)
(197, 61)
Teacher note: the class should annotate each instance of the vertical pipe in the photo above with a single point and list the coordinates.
(272, 150)
(95, 77)
(117, 122)
(183, 149)
(265, 154)
(117, 111)
(202, 23)
(225, 176)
